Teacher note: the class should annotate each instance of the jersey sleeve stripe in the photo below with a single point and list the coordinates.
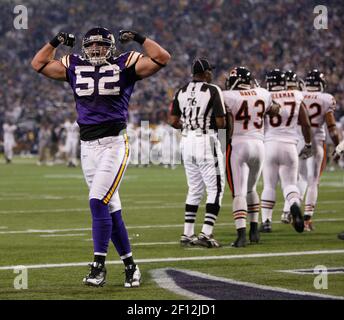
(119, 174)
(65, 61)
(221, 97)
(129, 58)
(134, 58)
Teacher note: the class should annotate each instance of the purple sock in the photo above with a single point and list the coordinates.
(119, 234)
(101, 225)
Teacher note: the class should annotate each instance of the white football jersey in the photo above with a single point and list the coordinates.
(248, 109)
(284, 126)
(318, 104)
(72, 130)
(9, 130)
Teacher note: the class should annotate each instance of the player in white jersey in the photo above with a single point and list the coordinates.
(294, 83)
(72, 142)
(198, 109)
(246, 108)
(164, 135)
(281, 156)
(320, 107)
(9, 141)
(337, 154)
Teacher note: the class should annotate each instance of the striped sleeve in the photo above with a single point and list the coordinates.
(217, 101)
(175, 109)
(133, 58)
(66, 60)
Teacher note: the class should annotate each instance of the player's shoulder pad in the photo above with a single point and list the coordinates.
(213, 88)
(262, 91)
(229, 93)
(131, 58)
(329, 100)
(68, 59)
(298, 94)
(328, 97)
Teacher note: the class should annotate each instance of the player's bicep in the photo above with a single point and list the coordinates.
(145, 67)
(55, 70)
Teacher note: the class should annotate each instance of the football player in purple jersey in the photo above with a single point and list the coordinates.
(102, 84)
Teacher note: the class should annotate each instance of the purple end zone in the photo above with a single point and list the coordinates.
(220, 290)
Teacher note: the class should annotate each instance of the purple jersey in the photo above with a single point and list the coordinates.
(102, 93)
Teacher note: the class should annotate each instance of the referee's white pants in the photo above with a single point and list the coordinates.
(204, 167)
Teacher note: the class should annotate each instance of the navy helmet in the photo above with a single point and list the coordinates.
(315, 81)
(103, 49)
(239, 79)
(275, 80)
(292, 80)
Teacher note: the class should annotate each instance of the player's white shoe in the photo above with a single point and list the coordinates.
(186, 241)
(206, 241)
(286, 218)
(132, 276)
(97, 275)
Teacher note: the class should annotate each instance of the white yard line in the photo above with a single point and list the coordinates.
(139, 207)
(178, 259)
(302, 271)
(154, 226)
(154, 243)
(62, 235)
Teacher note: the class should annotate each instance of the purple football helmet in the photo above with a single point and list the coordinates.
(98, 45)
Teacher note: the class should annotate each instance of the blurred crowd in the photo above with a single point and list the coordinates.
(258, 34)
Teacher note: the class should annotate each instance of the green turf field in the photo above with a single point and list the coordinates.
(44, 219)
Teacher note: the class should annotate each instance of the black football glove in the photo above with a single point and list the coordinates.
(306, 152)
(128, 35)
(67, 39)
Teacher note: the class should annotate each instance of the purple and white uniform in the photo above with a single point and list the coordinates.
(102, 95)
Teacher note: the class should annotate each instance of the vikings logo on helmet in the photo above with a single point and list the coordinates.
(98, 45)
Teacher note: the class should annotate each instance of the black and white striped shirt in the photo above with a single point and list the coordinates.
(198, 104)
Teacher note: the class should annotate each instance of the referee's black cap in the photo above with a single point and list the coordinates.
(201, 65)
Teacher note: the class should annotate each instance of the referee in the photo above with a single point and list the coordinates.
(198, 109)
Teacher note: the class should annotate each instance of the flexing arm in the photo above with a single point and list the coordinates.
(52, 68)
(44, 61)
(332, 129)
(156, 56)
